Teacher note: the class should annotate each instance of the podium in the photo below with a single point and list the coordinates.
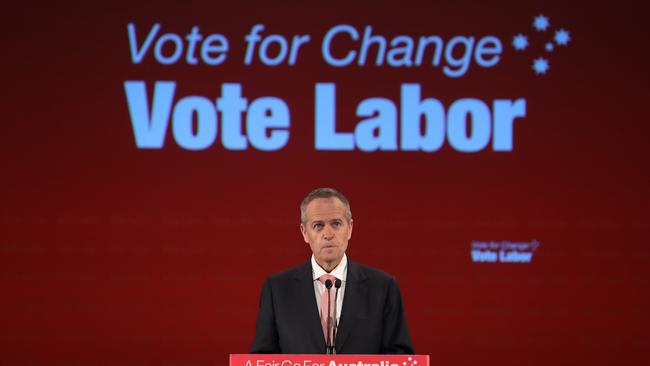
(327, 360)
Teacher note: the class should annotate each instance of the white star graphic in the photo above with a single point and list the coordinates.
(562, 37)
(549, 47)
(540, 66)
(541, 23)
(520, 42)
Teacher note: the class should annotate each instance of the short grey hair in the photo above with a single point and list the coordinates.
(324, 193)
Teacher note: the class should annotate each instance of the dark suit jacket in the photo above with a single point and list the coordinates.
(372, 317)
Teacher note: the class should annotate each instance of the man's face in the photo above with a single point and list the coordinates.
(326, 231)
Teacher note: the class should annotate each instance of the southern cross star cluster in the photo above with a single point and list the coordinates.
(541, 24)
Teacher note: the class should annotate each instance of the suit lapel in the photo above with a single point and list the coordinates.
(356, 293)
(309, 308)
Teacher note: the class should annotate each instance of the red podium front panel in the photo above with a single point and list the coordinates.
(328, 360)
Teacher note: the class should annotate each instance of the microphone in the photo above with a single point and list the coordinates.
(328, 286)
(337, 285)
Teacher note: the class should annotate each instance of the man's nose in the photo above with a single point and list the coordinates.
(328, 233)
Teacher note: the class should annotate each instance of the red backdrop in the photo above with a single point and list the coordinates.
(114, 255)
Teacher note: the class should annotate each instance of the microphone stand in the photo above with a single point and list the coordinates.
(328, 286)
(337, 285)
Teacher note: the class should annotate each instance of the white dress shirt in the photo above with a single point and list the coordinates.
(340, 272)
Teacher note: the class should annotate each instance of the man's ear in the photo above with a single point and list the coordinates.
(303, 231)
(350, 233)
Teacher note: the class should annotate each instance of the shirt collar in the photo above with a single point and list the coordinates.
(340, 272)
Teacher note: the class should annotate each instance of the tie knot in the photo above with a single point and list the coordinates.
(326, 277)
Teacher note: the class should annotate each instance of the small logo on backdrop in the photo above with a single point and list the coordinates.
(559, 37)
(503, 251)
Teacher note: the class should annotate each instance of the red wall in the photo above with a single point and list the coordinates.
(114, 255)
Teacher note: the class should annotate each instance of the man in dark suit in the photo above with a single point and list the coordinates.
(294, 303)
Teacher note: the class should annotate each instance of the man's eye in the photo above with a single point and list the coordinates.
(336, 224)
(318, 226)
